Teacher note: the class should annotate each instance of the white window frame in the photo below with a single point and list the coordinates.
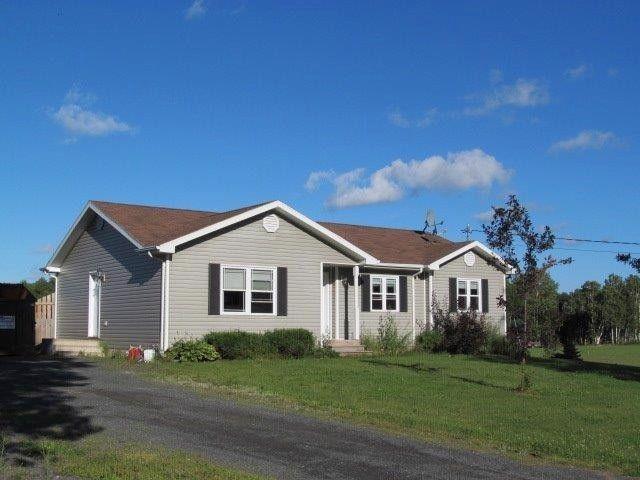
(384, 279)
(468, 294)
(247, 291)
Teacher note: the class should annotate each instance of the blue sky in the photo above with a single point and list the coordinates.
(397, 107)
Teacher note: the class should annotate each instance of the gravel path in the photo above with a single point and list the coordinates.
(75, 398)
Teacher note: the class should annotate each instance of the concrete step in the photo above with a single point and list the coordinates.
(347, 347)
(73, 347)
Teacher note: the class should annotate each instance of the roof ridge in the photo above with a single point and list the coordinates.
(156, 206)
(385, 228)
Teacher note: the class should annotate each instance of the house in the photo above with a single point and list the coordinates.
(133, 274)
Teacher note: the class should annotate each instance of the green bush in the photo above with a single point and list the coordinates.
(238, 344)
(498, 344)
(325, 352)
(370, 342)
(390, 340)
(429, 341)
(192, 351)
(290, 342)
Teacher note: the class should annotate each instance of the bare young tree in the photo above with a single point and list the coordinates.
(512, 234)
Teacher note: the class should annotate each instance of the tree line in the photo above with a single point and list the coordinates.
(607, 312)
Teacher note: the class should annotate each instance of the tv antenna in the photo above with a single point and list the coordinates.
(430, 223)
(468, 231)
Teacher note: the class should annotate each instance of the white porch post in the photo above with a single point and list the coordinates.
(413, 307)
(336, 306)
(55, 306)
(356, 296)
(430, 299)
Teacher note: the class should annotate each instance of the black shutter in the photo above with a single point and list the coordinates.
(366, 292)
(214, 289)
(485, 295)
(453, 294)
(282, 291)
(403, 293)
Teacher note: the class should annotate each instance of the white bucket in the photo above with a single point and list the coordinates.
(149, 355)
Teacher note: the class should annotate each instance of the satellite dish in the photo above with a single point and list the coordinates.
(431, 217)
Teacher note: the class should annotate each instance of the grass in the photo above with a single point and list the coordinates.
(583, 414)
(101, 459)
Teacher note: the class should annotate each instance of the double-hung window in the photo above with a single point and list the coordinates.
(249, 290)
(468, 294)
(384, 293)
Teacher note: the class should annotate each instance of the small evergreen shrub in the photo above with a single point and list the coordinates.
(290, 342)
(390, 340)
(429, 341)
(238, 344)
(192, 351)
(498, 344)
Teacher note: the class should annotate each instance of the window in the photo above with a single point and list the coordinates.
(468, 294)
(255, 299)
(384, 293)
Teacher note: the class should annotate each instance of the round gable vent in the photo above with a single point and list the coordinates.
(469, 259)
(271, 223)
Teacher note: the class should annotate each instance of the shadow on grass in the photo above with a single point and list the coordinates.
(619, 372)
(36, 404)
(417, 367)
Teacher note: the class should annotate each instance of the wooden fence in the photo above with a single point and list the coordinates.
(45, 308)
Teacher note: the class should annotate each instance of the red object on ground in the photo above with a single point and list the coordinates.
(134, 354)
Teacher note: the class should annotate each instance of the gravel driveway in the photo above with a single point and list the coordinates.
(74, 398)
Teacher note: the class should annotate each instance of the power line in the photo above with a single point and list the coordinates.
(597, 241)
(592, 251)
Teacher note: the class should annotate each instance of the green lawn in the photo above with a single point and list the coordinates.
(102, 459)
(586, 413)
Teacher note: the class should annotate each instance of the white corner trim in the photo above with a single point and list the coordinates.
(438, 263)
(170, 246)
(356, 298)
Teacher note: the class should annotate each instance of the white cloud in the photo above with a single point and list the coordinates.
(586, 140)
(485, 216)
(44, 248)
(577, 72)
(523, 93)
(196, 10)
(495, 76)
(316, 178)
(77, 119)
(399, 120)
(458, 171)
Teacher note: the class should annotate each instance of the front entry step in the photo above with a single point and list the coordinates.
(347, 348)
(72, 347)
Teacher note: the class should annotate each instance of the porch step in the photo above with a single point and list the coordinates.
(346, 348)
(73, 347)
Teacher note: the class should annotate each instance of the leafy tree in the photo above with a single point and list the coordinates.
(40, 287)
(629, 260)
(511, 224)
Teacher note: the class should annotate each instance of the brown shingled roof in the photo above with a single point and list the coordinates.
(155, 225)
(152, 226)
(395, 245)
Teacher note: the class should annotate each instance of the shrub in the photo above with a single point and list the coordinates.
(192, 351)
(390, 340)
(290, 342)
(463, 332)
(429, 341)
(370, 342)
(325, 352)
(238, 344)
(498, 344)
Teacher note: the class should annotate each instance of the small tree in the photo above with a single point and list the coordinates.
(509, 225)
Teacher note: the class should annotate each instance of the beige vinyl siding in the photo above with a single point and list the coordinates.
(404, 321)
(131, 294)
(250, 244)
(481, 269)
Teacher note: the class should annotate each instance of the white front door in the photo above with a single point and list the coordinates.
(95, 290)
(327, 304)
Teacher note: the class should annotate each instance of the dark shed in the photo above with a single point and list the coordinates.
(17, 317)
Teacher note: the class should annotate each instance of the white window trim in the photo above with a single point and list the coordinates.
(384, 292)
(468, 295)
(247, 292)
